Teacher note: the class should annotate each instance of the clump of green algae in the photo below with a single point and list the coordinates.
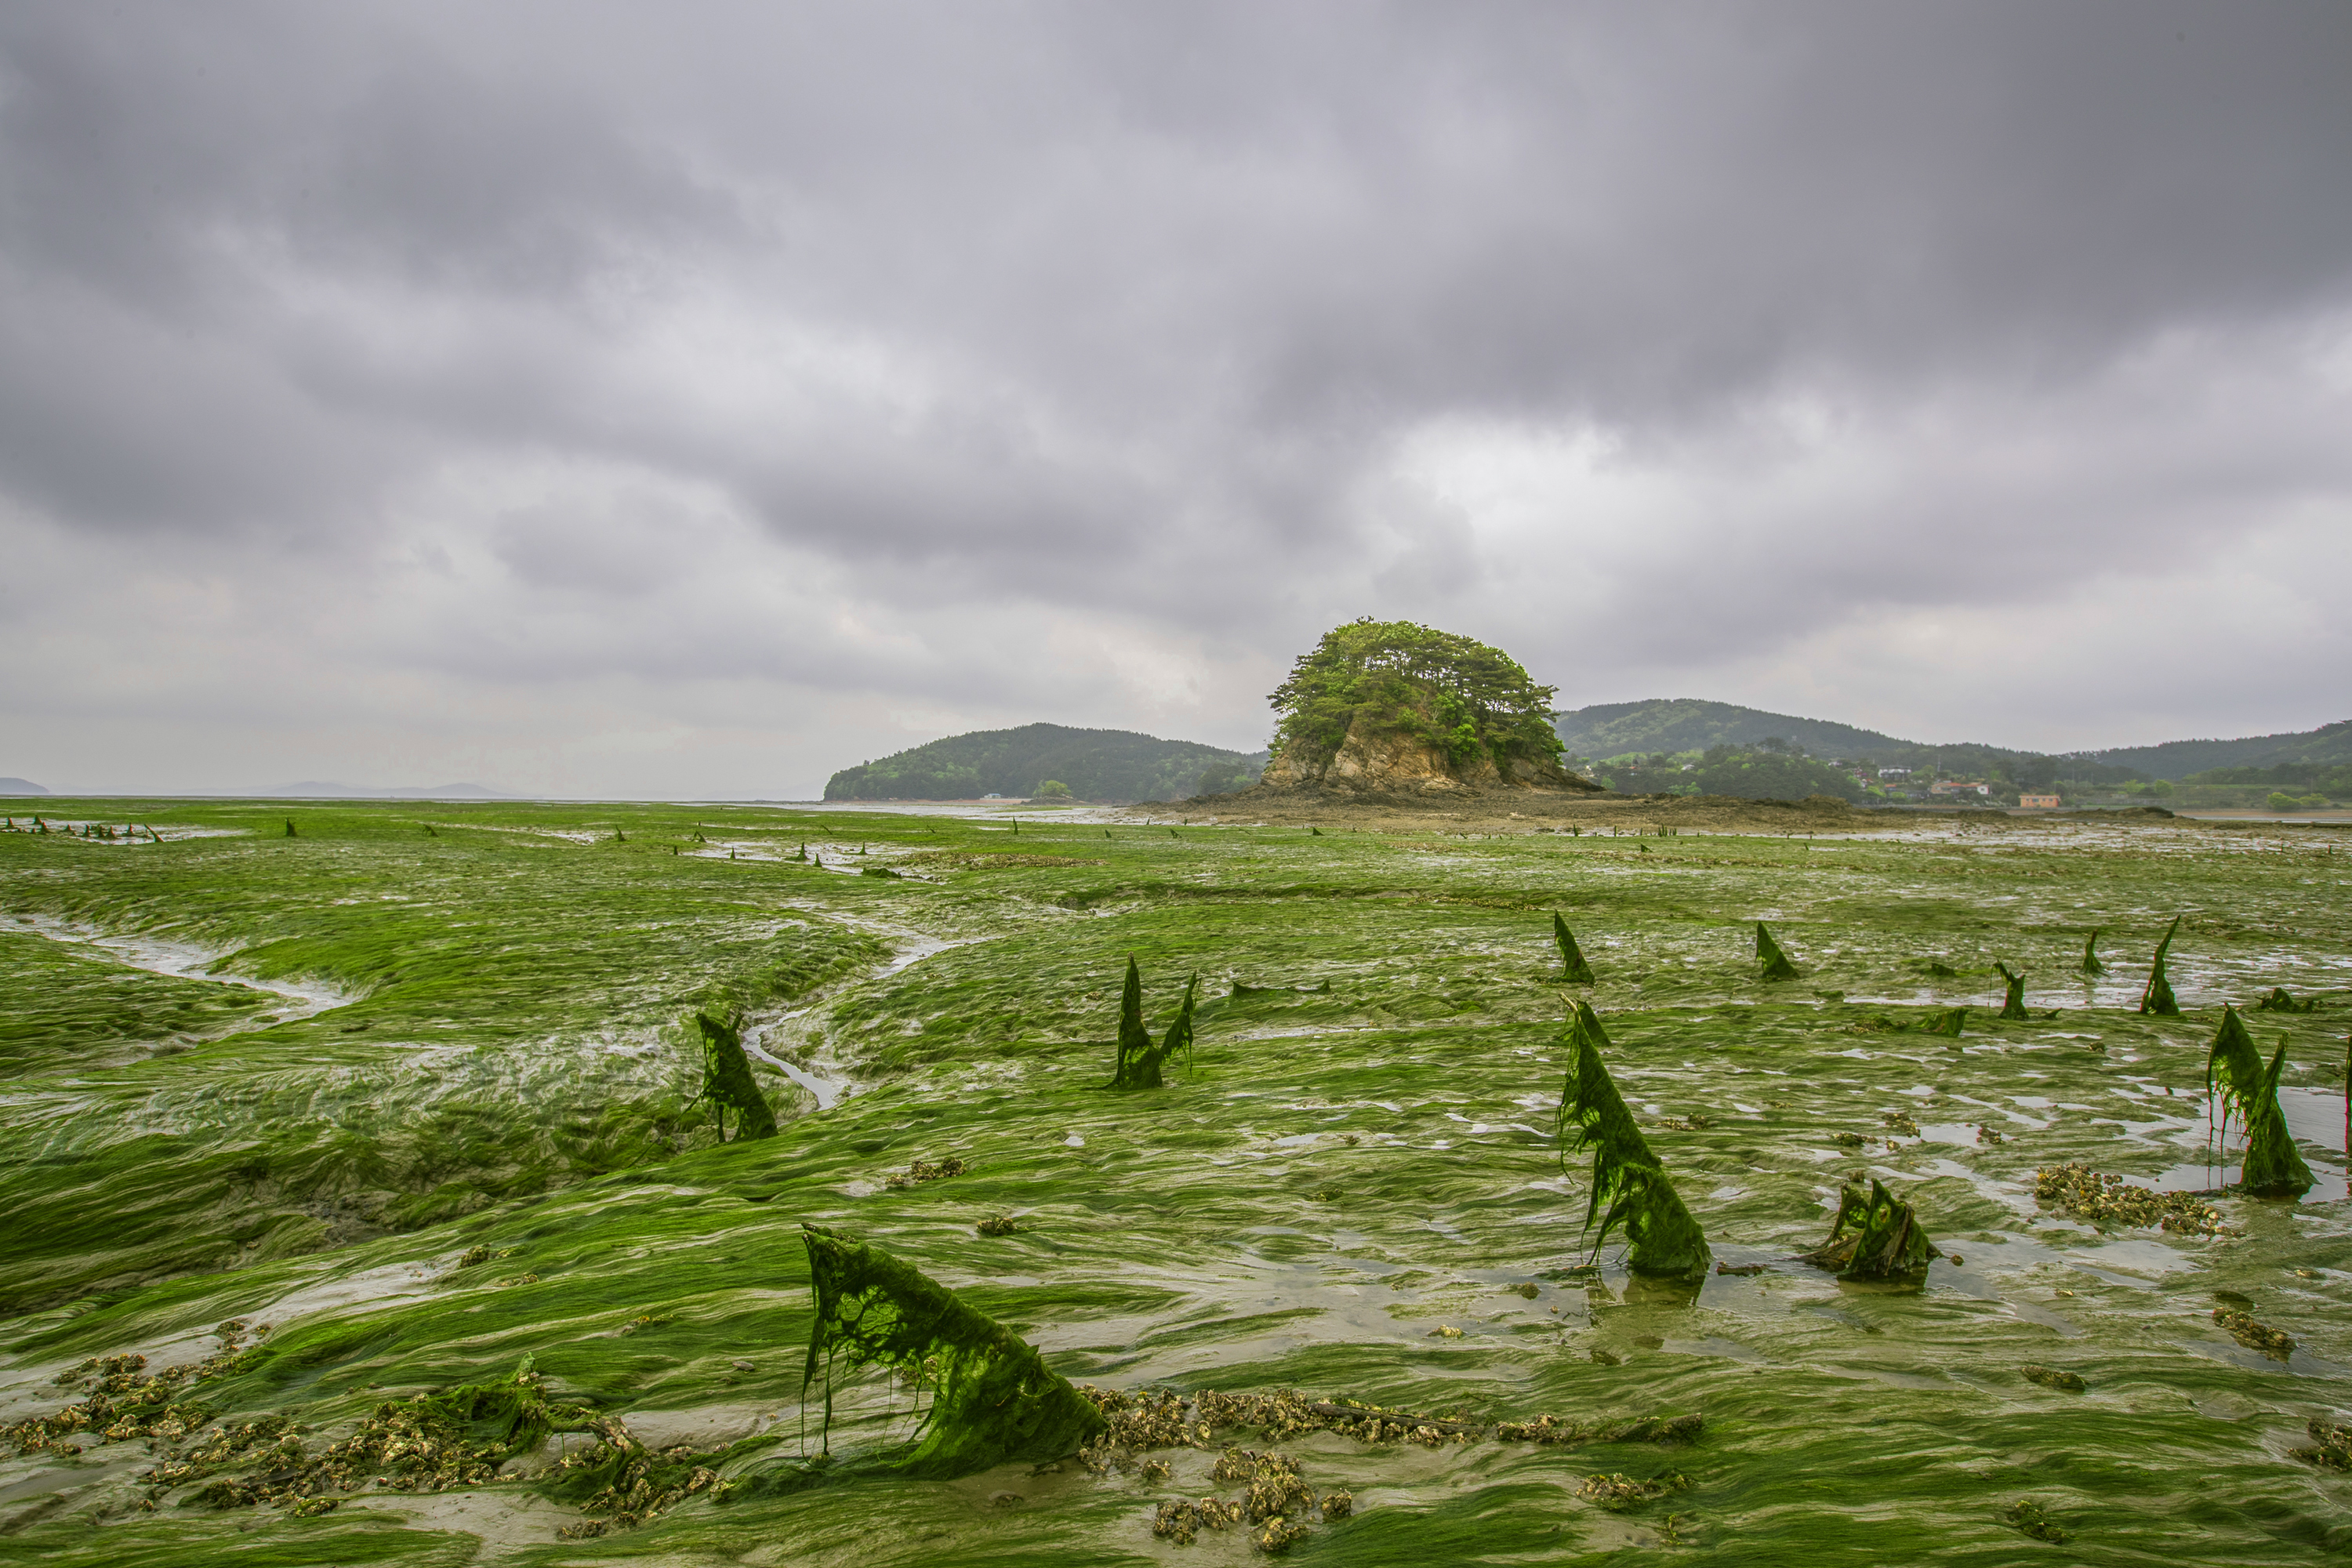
(728, 1083)
(991, 1397)
(2014, 1004)
(1875, 1236)
(2234, 1074)
(1573, 969)
(1139, 1060)
(2157, 1000)
(1776, 964)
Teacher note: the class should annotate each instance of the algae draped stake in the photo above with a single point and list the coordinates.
(2158, 999)
(2282, 1000)
(1886, 1240)
(2014, 1005)
(2234, 1071)
(1573, 969)
(992, 1399)
(1667, 1241)
(728, 1082)
(1776, 963)
(1948, 1024)
(1139, 1060)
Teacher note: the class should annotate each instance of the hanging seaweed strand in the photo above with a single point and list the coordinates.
(1629, 1185)
(2091, 964)
(1573, 970)
(2158, 999)
(2239, 1083)
(1776, 963)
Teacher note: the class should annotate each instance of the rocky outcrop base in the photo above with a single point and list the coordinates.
(1388, 765)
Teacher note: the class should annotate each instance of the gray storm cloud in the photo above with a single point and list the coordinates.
(694, 400)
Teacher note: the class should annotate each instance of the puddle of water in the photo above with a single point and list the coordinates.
(2327, 1186)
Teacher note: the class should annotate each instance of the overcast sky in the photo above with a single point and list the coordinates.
(694, 399)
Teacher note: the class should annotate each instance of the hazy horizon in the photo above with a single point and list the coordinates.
(472, 789)
(590, 402)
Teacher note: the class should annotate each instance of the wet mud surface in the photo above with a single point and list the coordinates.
(1354, 1191)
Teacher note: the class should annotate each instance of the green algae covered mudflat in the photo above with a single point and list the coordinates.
(414, 1092)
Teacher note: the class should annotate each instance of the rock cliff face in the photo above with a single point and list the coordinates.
(1386, 762)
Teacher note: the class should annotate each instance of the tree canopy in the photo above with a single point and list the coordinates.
(1451, 692)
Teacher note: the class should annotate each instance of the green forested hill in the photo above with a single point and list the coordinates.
(1097, 764)
(2330, 745)
(1687, 724)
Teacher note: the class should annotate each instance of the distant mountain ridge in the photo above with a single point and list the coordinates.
(312, 789)
(20, 786)
(1689, 724)
(1096, 764)
(2330, 744)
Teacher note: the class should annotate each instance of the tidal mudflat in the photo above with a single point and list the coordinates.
(319, 1110)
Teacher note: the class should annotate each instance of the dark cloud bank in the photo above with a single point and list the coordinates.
(698, 399)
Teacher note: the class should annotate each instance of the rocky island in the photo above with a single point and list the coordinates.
(1391, 711)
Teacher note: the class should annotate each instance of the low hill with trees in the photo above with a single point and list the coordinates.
(1688, 724)
(1689, 746)
(1089, 765)
(2329, 746)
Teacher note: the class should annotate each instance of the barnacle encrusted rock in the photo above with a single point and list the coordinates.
(2081, 1193)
